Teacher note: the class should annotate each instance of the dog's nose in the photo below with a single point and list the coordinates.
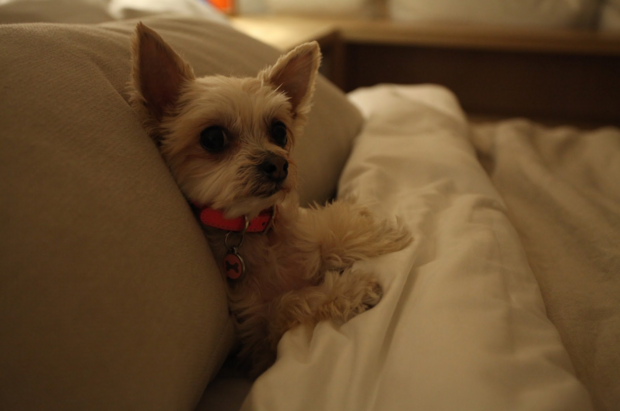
(275, 168)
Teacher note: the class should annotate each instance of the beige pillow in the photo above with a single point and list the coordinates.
(109, 296)
(54, 11)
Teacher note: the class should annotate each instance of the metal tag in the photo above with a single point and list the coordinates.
(234, 267)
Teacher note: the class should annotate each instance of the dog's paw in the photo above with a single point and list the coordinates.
(350, 293)
(389, 238)
(400, 235)
(383, 236)
(365, 214)
(373, 294)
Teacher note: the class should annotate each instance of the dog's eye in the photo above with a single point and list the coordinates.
(213, 139)
(278, 133)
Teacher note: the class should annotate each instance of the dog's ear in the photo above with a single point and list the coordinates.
(295, 73)
(158, 73)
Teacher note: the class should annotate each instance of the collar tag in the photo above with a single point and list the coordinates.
(233, 265)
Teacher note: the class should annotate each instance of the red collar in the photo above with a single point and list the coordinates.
(215, 218)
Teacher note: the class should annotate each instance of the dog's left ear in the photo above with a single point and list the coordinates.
(295, 73)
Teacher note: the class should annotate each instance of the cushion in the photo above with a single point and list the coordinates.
(535, 13)
(99, 11)
(54, 11)
(109, 295)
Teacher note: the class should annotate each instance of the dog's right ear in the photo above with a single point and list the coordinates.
(294, 74)
(158, 74)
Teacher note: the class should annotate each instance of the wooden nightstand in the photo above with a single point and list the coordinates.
(286, 33)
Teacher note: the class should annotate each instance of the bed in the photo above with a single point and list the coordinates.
(508, 298)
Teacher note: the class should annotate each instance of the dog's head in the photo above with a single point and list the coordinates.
(227, 140)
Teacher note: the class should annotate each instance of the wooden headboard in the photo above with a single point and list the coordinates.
(552, 76)
(546, 75)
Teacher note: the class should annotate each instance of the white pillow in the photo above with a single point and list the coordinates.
(527, 13)
(129, 9)
(100, 11)
(348, 8)
(610, 15)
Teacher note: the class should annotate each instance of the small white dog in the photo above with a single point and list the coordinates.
(228, 143)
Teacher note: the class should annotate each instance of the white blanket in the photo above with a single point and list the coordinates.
(562, 189)
(462, 325)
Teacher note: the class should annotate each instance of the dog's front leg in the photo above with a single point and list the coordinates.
(342, 233)
(341, 297)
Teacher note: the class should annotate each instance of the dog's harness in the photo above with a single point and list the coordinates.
(234, 266)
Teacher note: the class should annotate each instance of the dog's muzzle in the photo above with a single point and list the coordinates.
(274, 168)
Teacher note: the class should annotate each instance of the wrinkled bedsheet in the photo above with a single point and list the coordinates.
(462, 324)
(562, 189)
